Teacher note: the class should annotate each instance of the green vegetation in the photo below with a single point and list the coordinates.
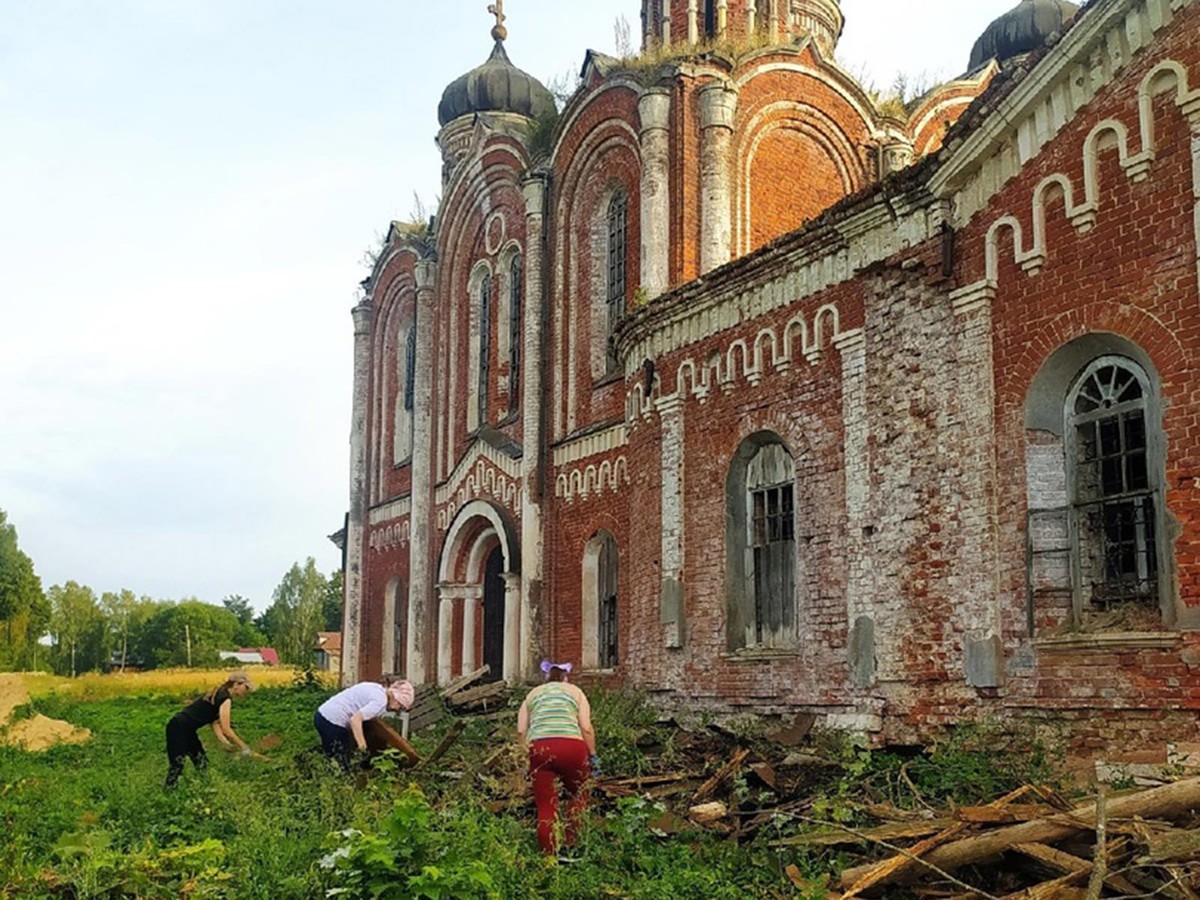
(92, 820)
(88, 631)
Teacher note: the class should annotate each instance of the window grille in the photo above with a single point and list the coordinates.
(1114, 500)
(410, 364)
(607, 583)
(618, 222)
(773, 541)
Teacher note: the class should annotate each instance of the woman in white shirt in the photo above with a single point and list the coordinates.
(339, 720)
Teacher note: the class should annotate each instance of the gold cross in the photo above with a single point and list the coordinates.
(497, 10)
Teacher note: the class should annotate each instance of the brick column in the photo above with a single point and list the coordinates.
(470, 603)
(512, 626)
(975, 587)
(860, 594)
(420, 573)
(718, 101)
(1194, 119)
(356, 521)
(670, 411)
(654, 109)
(533, 412)
(446, 595)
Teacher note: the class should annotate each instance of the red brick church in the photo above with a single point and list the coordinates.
(731, 383)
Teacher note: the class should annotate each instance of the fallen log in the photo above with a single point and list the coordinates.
(1167, 802)
(1068, 864)
(891, 832)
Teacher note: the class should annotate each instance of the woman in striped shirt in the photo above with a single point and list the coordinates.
(555, 722)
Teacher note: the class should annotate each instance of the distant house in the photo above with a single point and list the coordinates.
(131, 663)
(250, 656)
(327, 652)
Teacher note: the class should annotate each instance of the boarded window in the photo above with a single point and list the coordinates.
(607, 599)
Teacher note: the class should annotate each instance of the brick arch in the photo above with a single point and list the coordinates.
(794, 162)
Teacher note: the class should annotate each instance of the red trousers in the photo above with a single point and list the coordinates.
(565, 759)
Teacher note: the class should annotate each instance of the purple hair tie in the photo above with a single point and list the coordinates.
(547, 666)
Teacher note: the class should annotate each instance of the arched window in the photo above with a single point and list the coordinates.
(515, 287)
(761, 545)
(1112, 489)
(618, 227)
(600, 625)
(485, 346)
(410, 364)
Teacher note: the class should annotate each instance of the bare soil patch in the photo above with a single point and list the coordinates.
(37, 732)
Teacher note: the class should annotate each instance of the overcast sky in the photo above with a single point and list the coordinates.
(187, 189)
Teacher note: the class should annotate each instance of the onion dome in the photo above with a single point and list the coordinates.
(1021, 30)
(496, 86)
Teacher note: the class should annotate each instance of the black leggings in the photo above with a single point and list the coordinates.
(183, 743)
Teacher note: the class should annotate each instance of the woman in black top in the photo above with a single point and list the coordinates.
(211, 709)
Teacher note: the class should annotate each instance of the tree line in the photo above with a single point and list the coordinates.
(88, 630)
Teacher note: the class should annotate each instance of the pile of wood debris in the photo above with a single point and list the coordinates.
(1033, 842)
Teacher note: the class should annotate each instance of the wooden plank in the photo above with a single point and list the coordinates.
(726, 771)
(447, 741)
(381, 736)
(1168, 802)
(463, 681)
(1069, 864)
(891, 832)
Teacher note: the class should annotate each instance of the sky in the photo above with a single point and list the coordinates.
(188, 189)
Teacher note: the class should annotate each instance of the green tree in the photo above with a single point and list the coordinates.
(188, 633)
(332, 609)
(22, 602)
(119, 610)
(76, 623)
(297, 612)
(240, 607)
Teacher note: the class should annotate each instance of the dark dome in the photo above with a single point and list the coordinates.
(496, 86)
(1022, 29)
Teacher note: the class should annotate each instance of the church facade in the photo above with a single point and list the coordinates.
(733, 384)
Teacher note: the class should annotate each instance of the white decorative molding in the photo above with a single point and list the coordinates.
(387, 537)
(592, 479)
(393, 509)
(767, 351)
(1089, 57)
(590, 445)
(865, 237)
(1108, 133)
(482, 469)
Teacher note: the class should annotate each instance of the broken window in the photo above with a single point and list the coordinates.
(760, 503)
(1114, 497)
(600, 616)
(618, 225)
(485, 345)
(514, 334)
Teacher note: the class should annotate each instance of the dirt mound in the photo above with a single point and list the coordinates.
(37, 732)
(40, 732)
(12, 695)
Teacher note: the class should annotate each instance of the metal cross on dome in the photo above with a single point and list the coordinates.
(499, 32)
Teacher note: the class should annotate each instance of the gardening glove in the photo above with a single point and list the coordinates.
(246, 751)
(594, 762)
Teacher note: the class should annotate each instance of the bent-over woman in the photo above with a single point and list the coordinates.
(183, 742)
(555, 721)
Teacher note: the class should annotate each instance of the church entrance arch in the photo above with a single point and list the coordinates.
(479, 595)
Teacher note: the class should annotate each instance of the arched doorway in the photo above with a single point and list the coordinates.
(479, 596)
(493, 614)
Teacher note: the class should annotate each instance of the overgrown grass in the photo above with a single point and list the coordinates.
(92, 820)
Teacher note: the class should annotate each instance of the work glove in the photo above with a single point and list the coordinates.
(246, 751)
(594, 763)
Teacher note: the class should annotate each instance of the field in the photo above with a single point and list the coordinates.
(91, 819)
